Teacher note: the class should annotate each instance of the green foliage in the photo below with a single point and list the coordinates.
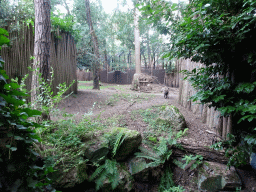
(166, 180)
(161, 152)
(175, 189)
(64, 141)
(45, 101)
(237, 155)
(158, 156)
(116, 141)
(198, 160)
(167, 184)
(3, 37)
(17, 131)
(107, 171)
(65, 24)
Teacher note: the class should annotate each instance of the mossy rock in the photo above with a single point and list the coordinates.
(70, 178)
(97, 149)
(216, 176)
(172, 116)
(130, 144)
(139, 169)
(125, 181)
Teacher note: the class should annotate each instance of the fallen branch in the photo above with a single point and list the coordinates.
(207, 153)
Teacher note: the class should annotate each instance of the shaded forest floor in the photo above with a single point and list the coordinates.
(118, 105)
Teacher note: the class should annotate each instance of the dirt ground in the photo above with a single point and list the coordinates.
(103, 104)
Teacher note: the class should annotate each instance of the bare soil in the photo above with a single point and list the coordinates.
(107, 103)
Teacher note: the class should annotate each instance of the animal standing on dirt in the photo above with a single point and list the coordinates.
(166, 92)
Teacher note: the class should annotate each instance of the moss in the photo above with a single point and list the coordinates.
(128, 132)
(163, 107)
(175, 109)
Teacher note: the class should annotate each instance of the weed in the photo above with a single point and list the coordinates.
(109, 170)
(198, 160)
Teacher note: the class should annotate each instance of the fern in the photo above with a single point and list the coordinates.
(160, 154)
(106, 171)
(97, 172)
(167, 184)
(119, 138)
(198, 160)
(166, 180)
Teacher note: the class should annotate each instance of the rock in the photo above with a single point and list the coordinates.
(215, 177)
(71, 178)
(97, 149)
(253, 161)
(141, 172)
(125, 182)
(130, 144)
(139, 169)
(171, 115)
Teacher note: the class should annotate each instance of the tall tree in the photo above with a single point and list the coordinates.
(94, 38)
(137, 41)
(42, 43)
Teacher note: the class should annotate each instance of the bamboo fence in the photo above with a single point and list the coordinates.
(62, 59)
(221, 125)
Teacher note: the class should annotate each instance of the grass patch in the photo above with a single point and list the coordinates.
(84, 87)
(63, 141)
(116, 121)
(156, 127)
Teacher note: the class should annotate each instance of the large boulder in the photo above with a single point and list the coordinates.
(72, 177)
(142, 171)
(97, 149)
(216, 176)
(125, 183)
(139, 169)
(171, 116)
(130, 144)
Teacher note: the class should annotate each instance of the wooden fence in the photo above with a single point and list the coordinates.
(221, 125)
(62, 58)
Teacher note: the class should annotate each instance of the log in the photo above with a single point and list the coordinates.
(207, 153)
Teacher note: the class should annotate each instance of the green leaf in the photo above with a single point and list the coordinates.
(4, 40)
(21, 127)
(13, 148)
(18, 138)
(3, 32)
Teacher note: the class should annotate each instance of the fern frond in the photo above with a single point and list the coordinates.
(117, 142)
(162, 148)
(166, 180)
(100, 180)
(141, 155)
(115, 180)
(111, 166)
(97, 172)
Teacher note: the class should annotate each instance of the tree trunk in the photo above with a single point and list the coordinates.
(149, 51)
(41, 46)
(96, 65)
(144, 60)
(137, 41)
(208, 154)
